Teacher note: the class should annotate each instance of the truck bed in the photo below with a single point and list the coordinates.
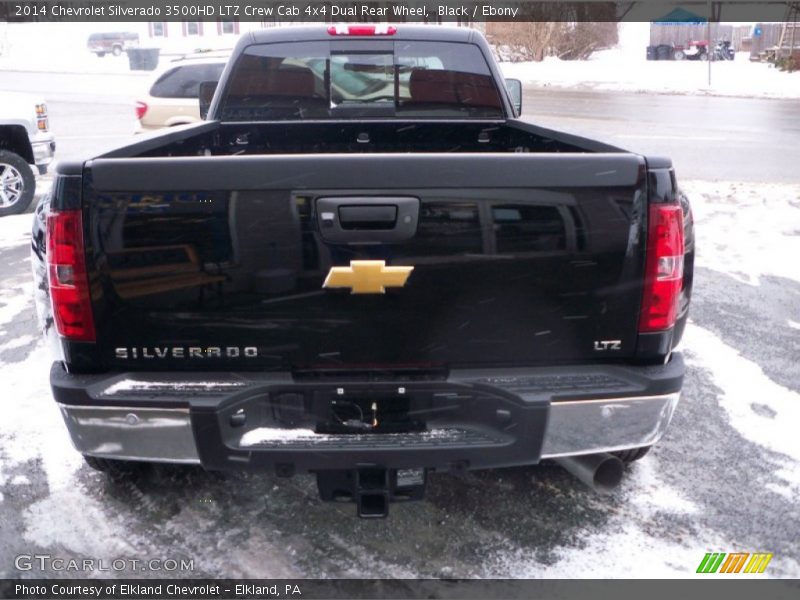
(364, 137)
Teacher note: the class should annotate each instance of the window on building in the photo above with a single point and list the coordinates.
(193, 28)
(228, 27)
(158, 30)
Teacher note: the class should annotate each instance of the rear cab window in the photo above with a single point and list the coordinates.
(322, 80)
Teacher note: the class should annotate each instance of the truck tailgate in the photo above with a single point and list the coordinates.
(221, 262)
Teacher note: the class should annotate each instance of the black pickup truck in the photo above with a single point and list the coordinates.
(364, 265)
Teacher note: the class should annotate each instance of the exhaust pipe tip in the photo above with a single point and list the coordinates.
(601, 472)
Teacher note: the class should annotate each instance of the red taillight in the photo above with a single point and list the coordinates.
(362, 30)
(141, 109)
(663, 268)
(69, 285)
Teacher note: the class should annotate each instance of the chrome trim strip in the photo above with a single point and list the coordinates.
(578, 427)
(147, 434)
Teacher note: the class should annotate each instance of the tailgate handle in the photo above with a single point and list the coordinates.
(379, 216)
(367, 219)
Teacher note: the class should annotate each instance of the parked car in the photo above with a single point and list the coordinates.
(25, 140)
(114, 42)
(171, 97)
(398, 277)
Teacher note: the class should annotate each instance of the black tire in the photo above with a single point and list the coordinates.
(100, 54)
(631, 455)
(116, 50)
(679, 55)
(116, 470)
(17, 184)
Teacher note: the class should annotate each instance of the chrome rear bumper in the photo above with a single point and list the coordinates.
(145, 434)
(166, 435)
(592, 426)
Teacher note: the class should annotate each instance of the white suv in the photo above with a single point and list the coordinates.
(172, 95)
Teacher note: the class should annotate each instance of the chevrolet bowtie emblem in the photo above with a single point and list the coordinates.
(367, 277)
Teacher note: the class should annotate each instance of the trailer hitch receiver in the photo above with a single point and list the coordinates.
(372, 488)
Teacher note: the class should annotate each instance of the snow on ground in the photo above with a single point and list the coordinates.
(35, 425)
(626, 68)
(766, 215)
(15, 230)
(626, 547)
(743, 383)
(19, 342)
(15, 299)
(33, 419)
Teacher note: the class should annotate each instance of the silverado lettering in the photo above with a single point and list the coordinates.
(185, 352)
(390, 273)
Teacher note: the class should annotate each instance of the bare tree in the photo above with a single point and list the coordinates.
(534, 40)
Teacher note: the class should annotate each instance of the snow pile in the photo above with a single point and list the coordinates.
(626, 68)
(263, 435)
(133, 385)
(765, 218)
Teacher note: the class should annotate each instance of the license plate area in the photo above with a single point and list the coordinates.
(368, 415)
(371, 412)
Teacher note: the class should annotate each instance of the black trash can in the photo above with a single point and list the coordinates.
(143, 59)
(134, 59)
(651, 53)
(664, 52)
